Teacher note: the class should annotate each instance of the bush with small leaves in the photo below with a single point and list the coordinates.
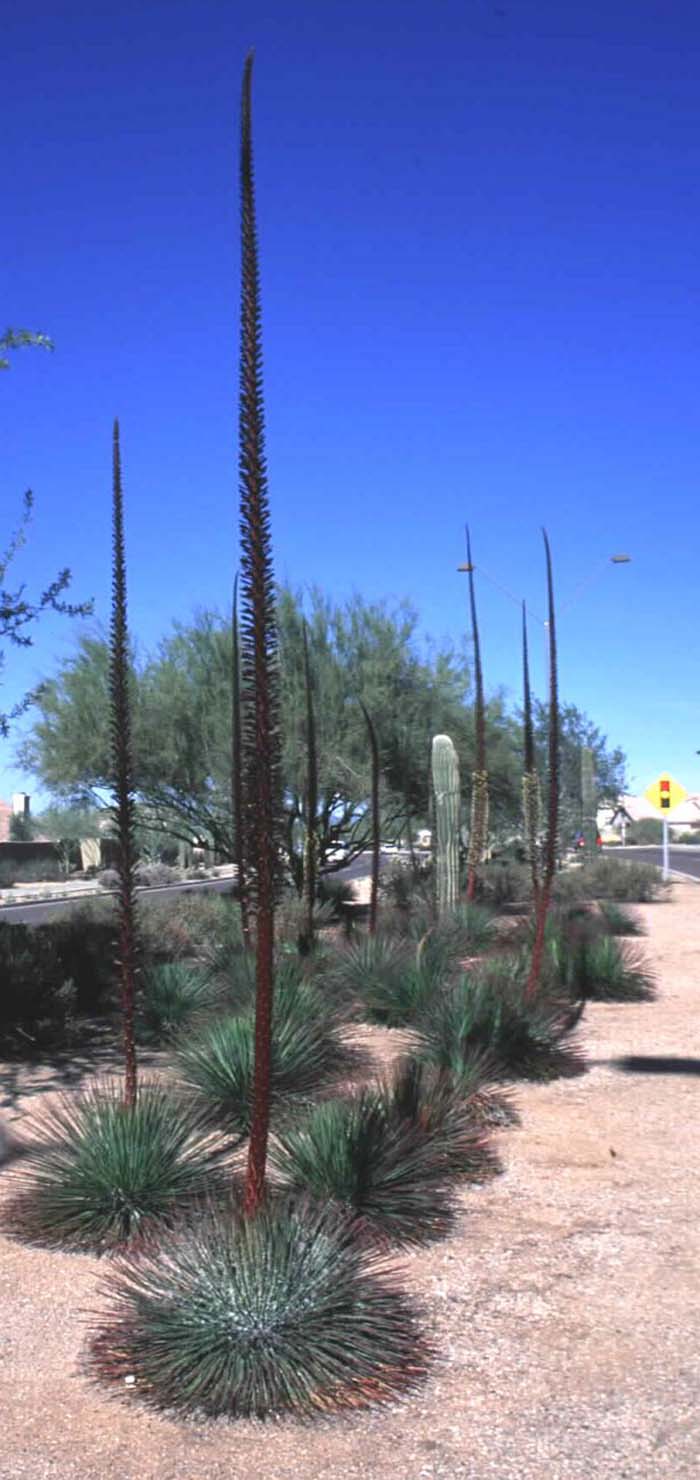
(504, 882)
(108, 879)
(287, 1311)
(193, 926)
(487, 1013)
(156, 875)
(97, 1174)
(627, 882)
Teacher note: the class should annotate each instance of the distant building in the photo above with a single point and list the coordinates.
(612, 821)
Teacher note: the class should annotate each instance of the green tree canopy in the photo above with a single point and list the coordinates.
(359, 650)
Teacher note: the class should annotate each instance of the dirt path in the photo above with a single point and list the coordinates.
(566, 1309)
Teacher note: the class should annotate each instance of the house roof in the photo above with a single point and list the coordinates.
(638, 808)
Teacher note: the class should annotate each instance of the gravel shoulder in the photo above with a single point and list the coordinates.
(566, 1308)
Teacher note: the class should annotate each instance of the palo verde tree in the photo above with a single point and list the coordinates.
(479, 824)
(18, 614)
(261, 743)
(122, 778)
(550, 856)
(13, 339)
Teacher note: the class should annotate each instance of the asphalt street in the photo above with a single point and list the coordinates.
(682, 860)
(42, 913)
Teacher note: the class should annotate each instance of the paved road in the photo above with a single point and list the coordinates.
(683, 860)
(44, 913)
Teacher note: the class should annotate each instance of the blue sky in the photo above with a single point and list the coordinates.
(481, 298)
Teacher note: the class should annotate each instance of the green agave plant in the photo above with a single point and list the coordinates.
(419, 1095)
(488, 1013)
(173, 995)
(307, 1053)
(98, 1174)
(618, 921)
(391, 1173)
(598, 969)
(466, 930)
(369, 969)
(287, 1311)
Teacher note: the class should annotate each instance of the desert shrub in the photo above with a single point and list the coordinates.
(108, 879)
(487, 1013)
(649, 830)
(156, 875)
(97, 1174)
(38, 999)
(407, 886)
(336, 893)
(290, 918)
(502, 882)
(174, 994)
(618, 879)
(192, 926)
(30, 871)
(85, 945)
(257, 1316)
(618, 921)
(308, 1052)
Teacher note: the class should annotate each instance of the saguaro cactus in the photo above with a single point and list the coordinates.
(446, 808)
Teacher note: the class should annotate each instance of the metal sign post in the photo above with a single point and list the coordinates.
(665, 870)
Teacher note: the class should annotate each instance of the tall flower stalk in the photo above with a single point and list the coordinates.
(124, 807)
(550, 854)
(479, 823)
(531, 780)
(375, 820)
(310, 859)
(237, 810)
(261, 742)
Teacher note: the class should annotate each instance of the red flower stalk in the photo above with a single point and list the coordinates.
(376, 825)
(311, 798)
(530, 779)
(237, 811)
(261, 745)
(550, 858)
(479, 781)
(124, 807)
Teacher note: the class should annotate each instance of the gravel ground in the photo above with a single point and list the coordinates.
(566, 1309)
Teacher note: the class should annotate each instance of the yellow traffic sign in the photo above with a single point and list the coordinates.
(665, 793)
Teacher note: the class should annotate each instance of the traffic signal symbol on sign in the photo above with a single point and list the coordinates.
(665, 793)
